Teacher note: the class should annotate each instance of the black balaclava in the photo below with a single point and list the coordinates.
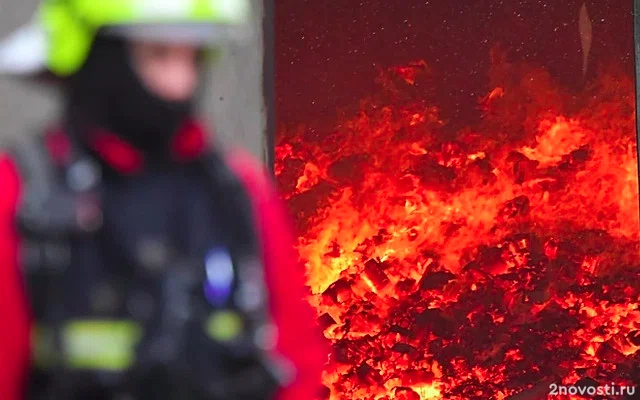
(107, 93)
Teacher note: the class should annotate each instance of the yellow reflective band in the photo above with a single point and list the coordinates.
(223, 326)
(107, 345)
(101, 344)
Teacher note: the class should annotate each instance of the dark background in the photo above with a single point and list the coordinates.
(328, 52)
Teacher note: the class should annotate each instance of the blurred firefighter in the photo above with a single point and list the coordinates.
(136, 260)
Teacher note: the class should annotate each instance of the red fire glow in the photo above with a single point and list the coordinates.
(477, 264)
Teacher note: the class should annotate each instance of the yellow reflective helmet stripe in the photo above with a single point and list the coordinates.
(71, 25)
(99, 13)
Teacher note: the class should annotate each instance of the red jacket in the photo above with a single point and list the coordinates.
(299, 337)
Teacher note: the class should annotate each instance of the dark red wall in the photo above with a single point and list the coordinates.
(327, 51)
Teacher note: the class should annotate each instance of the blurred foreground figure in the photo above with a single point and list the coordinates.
(137, 261)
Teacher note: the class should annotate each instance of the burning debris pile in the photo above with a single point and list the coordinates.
(481, 264)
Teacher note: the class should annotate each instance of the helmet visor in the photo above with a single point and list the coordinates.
(200, 34)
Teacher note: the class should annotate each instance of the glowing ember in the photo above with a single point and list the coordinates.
(478, 264)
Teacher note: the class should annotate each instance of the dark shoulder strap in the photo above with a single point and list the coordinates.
(36, 171)
(237, 214)
(55, 201)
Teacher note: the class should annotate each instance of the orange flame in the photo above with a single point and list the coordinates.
(416, 243)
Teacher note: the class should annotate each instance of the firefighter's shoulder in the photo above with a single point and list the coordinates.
(9, 183)
(252, 172)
